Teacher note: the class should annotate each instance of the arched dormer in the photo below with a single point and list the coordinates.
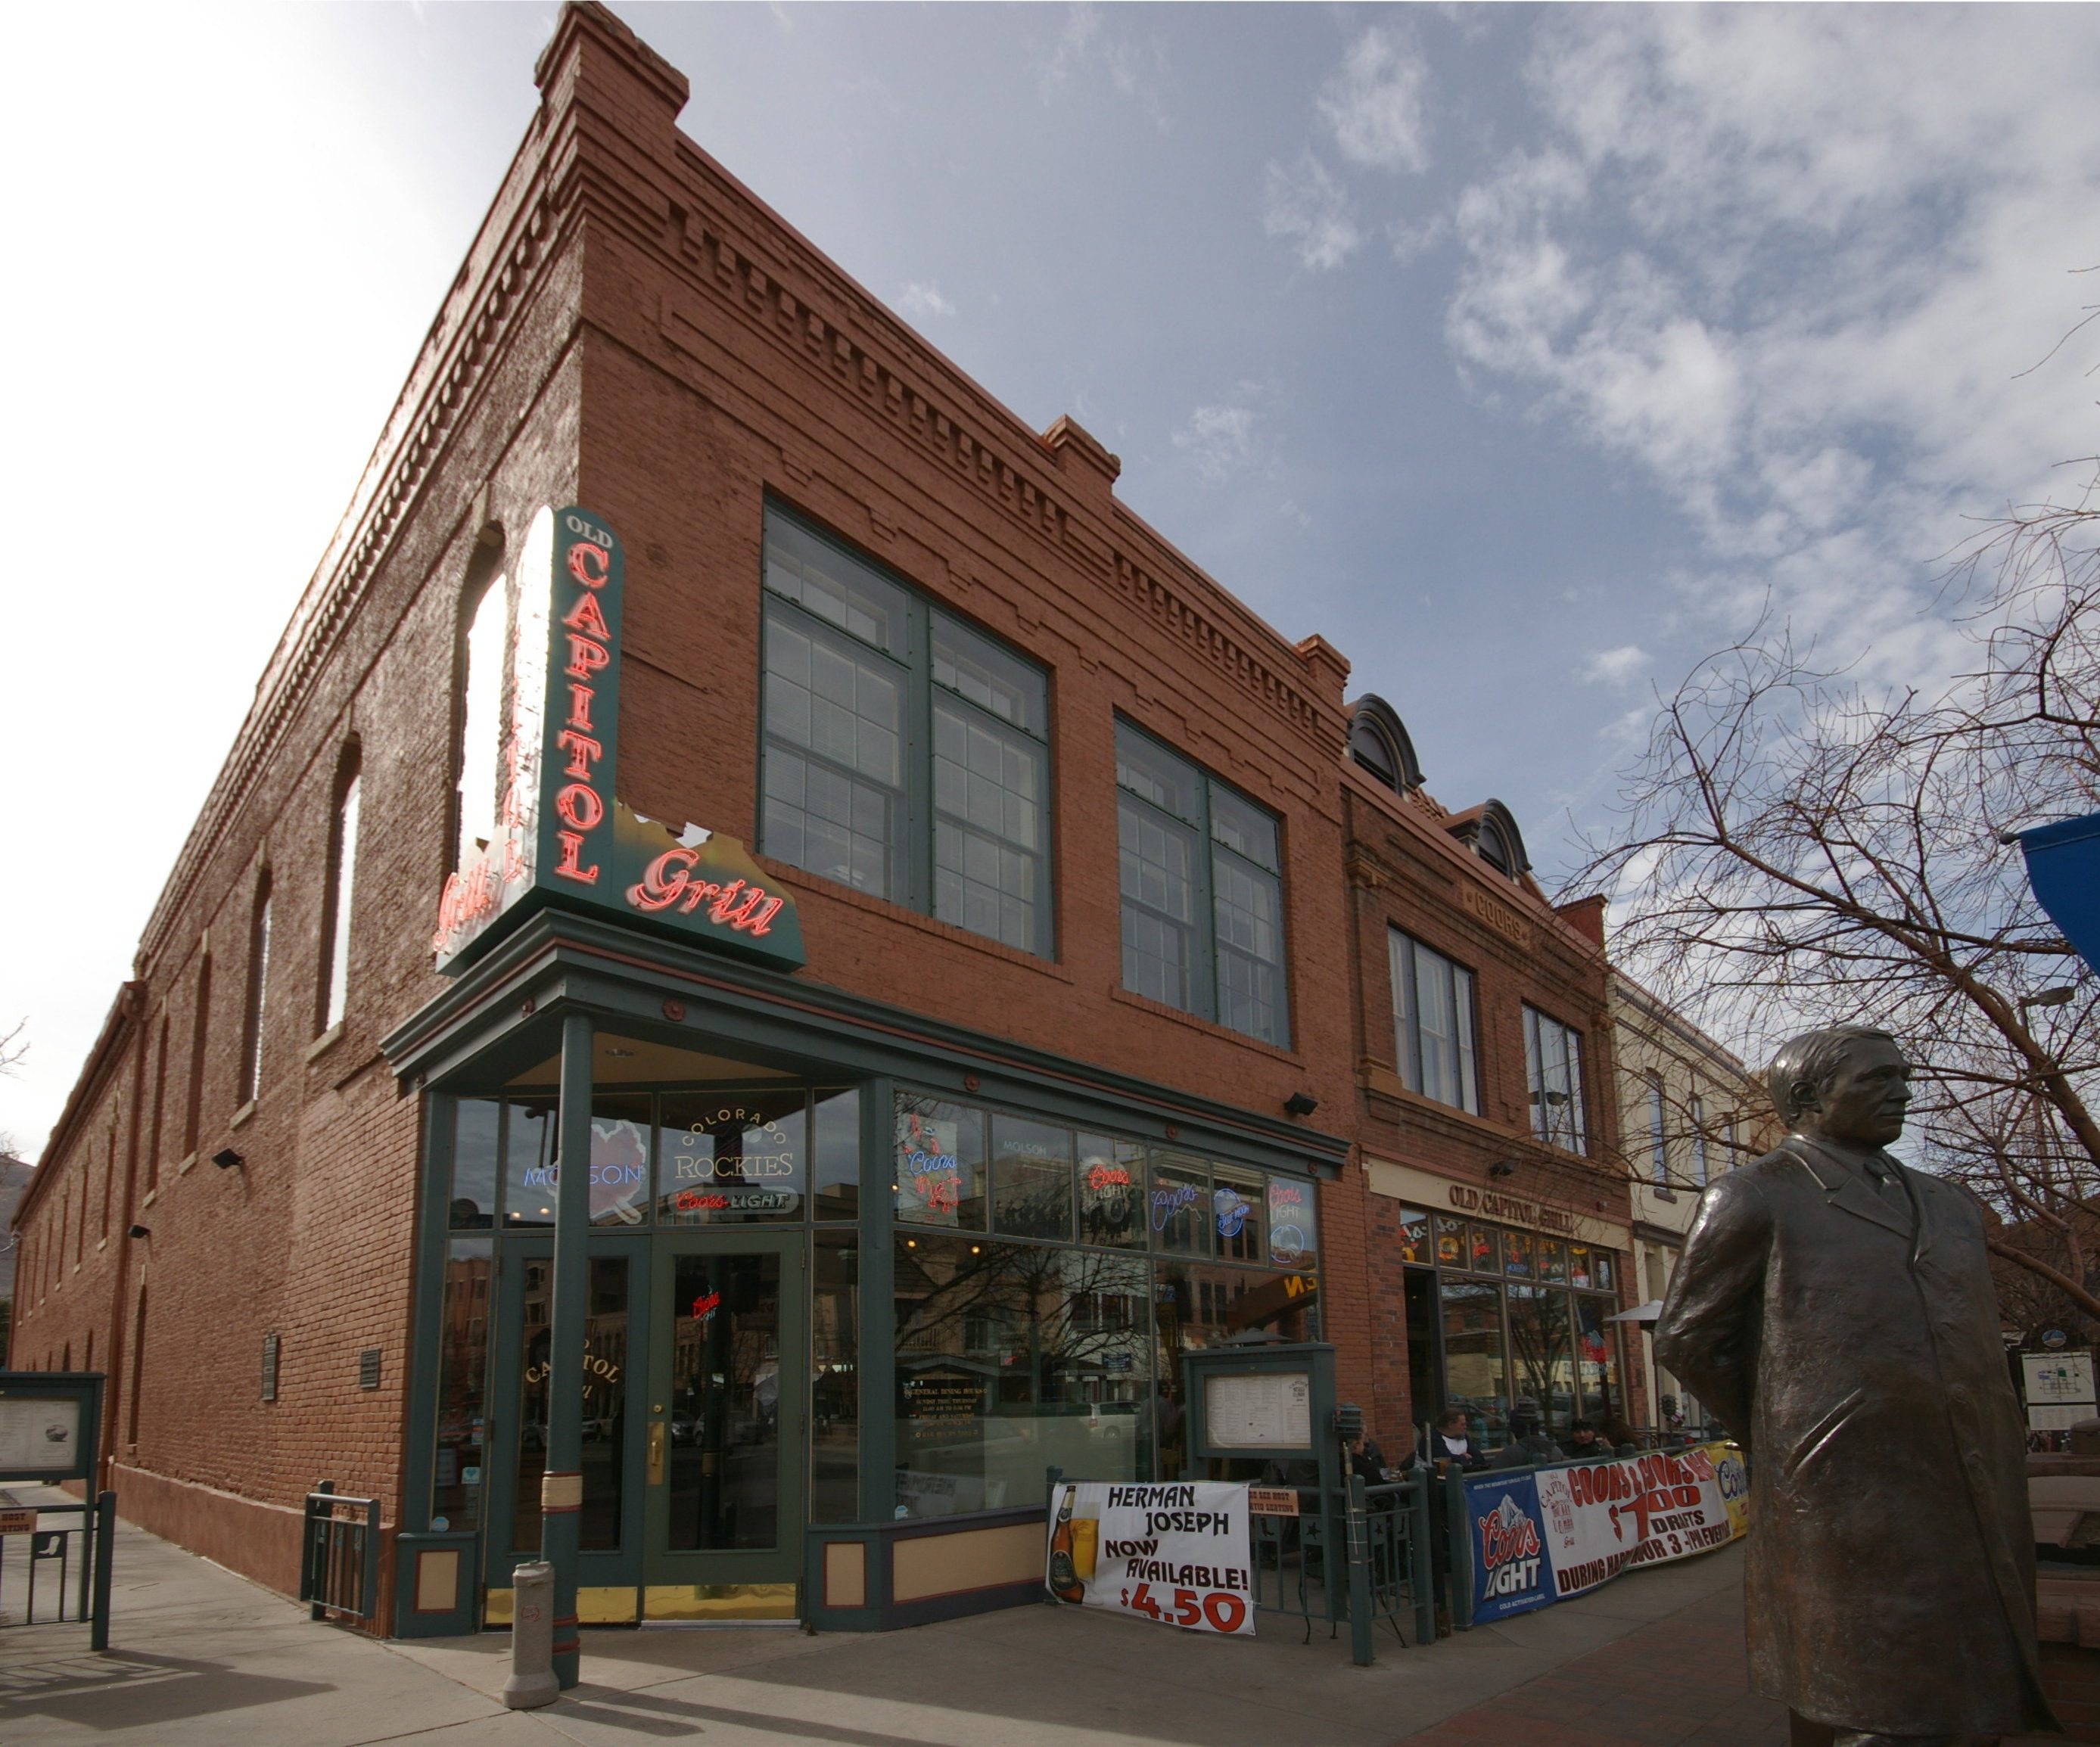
(1497, 841)
(1379, 745)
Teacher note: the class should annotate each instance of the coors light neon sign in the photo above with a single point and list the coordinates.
(562, 836)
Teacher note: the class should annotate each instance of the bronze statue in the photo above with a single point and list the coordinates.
(1835, 1310)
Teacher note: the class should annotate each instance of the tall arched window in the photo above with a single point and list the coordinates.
(258, 987)
(481, 716)
(200, 1030)
(1658, 1133)
(334, 980)
(160, 1106)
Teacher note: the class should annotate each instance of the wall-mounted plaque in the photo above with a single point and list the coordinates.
(1268, 1410)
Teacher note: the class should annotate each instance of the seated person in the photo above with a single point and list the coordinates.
(1583, 1443)
(1450, 1441)
(1529, 1446)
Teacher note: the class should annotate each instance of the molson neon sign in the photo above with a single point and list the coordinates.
(562, 836)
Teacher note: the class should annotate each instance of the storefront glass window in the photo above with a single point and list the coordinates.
(605, 1403)
(1581, 1269)
(1475, 1369)
(834, 1378)
(476, 1141)
(1011, 1358)
(1111, 1192)
(1544, 1366)
(724, 1467)
(1484, 1250)
(1031, 1180)
(1519, 1262)
(1180, 1207)
(455, 1491)
(940, 1163)
(1451, 1247)
(1553, 1261)
(834, 1153)
(732, 1158)
(1414, 1243)
(1596, 1360)
(1602, 1269)
(1239, 1210)
(618, 1161)
(1294, 1224)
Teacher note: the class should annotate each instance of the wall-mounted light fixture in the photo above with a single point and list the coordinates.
(1501, 1168)
(1301, 1104)
(140, 1231)
(227, 1159)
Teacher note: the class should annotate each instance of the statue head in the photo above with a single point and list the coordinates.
(1847, 1083)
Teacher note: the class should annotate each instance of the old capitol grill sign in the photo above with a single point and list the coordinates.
(560, 835)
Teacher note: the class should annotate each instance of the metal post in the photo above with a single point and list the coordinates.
(532, 1683)
(562, 1485)
(105, 1536)
(1421, 1577)
(1359, 1575)
(1459, 1548)
(316, 1552)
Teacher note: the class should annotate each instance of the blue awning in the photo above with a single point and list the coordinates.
(2063, 867)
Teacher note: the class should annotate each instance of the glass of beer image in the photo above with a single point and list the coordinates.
(1086, 1540)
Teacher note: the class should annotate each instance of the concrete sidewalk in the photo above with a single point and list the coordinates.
(202, 1657)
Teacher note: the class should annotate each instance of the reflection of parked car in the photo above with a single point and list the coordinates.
(1113, 1420)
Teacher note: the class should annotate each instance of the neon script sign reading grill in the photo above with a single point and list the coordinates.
(560, 835)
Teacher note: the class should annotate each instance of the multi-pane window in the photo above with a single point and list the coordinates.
(1202, 875)
(906, 755)
(1658, 1134)
(1432, 1000)
(481, 712)
(1700, 1167)
(1553, 1064)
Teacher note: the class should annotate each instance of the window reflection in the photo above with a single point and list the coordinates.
(604, 1407)
(1476, 1373)
(1011, 1358)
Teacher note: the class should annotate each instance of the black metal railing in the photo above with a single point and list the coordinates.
(52, 1575)
(339, 1568)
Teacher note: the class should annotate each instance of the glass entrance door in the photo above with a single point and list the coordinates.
(723, 1438)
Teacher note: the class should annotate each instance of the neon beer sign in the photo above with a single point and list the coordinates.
(561, 835)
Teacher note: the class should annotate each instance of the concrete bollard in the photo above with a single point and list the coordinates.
(532, 1683)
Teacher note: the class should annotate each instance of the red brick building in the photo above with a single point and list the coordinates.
(936, 883)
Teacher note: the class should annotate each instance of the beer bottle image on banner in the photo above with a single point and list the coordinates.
(1065, 1583)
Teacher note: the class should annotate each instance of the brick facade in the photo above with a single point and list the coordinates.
(633, 331)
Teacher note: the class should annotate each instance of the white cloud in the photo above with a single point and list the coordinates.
(1136, 69)
(1306, 205)
(1790, 262)
(1373, 106)
(1220, 439)
(923, 299)
(1615, 667)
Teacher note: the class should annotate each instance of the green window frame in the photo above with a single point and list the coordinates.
(1200, 867)
(902, 752)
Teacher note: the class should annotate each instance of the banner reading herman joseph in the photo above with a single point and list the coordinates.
(1176, 1553)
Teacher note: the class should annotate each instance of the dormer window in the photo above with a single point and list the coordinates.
(1378, 743)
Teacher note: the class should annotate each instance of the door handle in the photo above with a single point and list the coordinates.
(655, 1453)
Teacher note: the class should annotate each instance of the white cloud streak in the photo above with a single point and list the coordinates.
(1307, 205)
(1373, 106)
(922, 300)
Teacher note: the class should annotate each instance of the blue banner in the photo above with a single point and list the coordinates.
(2063, 867)
(1502, 1522)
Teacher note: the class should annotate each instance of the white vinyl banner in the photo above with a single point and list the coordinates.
(1600, 1518)
(1176, 1553)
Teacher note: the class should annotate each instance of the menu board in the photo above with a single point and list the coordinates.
(39, 1436)
(1266, 1411)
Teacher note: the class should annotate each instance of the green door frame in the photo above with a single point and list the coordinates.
(782, 1564)
(619, 1568)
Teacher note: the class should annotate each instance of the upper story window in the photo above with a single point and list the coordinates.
(1379, 742)
(258, 989)
(337, 894)
(1700, 1167)
(1432, 1000)
(1658, 1134)
(484, 662)
(905, 754)
(1553, 1063)
(1201, 874)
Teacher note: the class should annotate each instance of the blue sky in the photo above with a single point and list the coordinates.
(1525, 353)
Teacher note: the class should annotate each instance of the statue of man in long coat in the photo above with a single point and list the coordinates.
(1835, 1311)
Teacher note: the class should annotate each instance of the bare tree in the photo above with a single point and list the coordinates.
(1797, 849)
(13, 1047)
